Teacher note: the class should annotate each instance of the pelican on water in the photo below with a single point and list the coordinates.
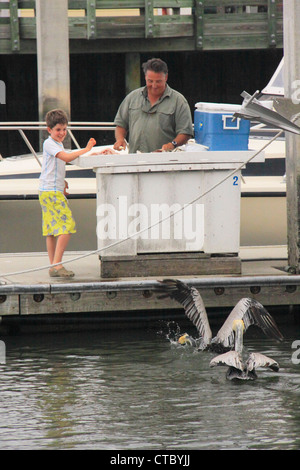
(247, 312)
(237, 368)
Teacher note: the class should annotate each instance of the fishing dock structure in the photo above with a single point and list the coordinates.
(116, 285)
(33, 299)
(30, 296)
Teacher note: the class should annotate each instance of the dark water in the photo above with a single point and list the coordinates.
(134, 390)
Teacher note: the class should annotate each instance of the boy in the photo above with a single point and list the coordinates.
(58, 222)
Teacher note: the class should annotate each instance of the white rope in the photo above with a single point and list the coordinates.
(118, 242)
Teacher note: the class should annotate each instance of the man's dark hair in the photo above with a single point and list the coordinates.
(155, 65)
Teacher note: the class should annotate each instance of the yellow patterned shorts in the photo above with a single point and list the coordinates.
(57, 216)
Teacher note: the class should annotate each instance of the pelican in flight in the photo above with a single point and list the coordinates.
(247, 312)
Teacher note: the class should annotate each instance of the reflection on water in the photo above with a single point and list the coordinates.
(137, 390)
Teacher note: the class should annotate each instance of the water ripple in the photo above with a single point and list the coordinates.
(134, 390)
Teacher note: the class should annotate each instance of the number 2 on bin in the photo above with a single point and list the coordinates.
(235, 180)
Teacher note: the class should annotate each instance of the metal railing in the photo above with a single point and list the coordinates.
(21, 127)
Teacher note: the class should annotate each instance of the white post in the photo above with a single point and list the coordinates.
(52, 32)
(291, 15)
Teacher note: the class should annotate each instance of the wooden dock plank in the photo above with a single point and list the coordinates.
(179, 264)
(9, 304)
(147, 300)
(214, 25)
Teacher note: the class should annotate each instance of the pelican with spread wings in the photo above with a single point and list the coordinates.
(229, 339)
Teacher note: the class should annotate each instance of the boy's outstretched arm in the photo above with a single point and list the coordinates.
(70, 156)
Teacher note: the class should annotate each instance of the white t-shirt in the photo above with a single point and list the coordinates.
(53, 169)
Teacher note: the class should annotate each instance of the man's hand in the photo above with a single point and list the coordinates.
(166, 148)
(120, 144)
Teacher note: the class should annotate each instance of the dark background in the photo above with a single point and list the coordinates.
(98, 85)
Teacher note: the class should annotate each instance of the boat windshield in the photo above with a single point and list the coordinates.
(275, 85)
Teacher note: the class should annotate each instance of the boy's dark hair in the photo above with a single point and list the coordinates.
(156, 65)
(56, 116)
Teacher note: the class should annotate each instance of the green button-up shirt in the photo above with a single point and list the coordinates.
(150, 127)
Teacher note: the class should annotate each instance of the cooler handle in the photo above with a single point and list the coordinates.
(225, 126)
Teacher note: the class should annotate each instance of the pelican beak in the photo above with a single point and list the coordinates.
(238, 325)
(183, 339)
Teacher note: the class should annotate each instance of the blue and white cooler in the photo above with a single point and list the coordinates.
(215, 128)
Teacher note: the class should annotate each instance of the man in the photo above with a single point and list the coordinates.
(156, 117)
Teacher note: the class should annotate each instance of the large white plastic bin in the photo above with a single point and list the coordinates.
(136, 190)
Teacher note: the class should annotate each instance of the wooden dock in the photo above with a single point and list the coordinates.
(33, 298)
(153, 25)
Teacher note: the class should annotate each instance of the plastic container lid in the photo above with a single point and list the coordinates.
(218, 107)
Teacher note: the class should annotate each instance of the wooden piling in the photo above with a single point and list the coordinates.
(53, 56)
(291, 83)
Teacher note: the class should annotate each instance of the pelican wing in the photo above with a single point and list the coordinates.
(252, 313)
(260, 360)
(192, 303)
(230, 358)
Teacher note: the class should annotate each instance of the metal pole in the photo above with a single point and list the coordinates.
(73, 138)
(140, 285)
(30, 146)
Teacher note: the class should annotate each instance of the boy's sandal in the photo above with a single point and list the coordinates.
(62, 272)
